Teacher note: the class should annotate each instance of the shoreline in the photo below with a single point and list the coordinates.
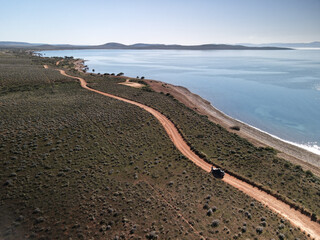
(79, 65)
(294, 154)
(297, 155)
(296, 214)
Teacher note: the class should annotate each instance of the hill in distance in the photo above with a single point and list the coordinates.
(113, 45)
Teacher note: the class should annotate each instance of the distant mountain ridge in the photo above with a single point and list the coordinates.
(8, 43)
(178, 47)
(315, 44)
(141, 46)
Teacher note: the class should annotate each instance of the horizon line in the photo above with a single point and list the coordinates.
(309, 42)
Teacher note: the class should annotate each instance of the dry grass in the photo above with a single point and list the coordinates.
(78, 165)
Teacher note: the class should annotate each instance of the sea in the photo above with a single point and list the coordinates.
(275, 91)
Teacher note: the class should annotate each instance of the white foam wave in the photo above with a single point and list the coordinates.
(310, 146)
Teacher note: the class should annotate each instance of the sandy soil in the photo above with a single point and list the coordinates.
(295, 217)
(79, 65)
(296, 155)
(132, 84)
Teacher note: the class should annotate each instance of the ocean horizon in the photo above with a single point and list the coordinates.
(277, 92)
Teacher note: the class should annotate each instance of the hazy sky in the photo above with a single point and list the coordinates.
(159, 21)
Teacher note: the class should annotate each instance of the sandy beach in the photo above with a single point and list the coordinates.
(79, 65)
(294, 154)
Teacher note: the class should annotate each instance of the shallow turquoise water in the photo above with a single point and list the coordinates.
(275, 91)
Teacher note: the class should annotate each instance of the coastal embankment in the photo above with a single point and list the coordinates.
(290, 152)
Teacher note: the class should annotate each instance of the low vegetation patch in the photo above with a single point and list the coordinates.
(75, 164)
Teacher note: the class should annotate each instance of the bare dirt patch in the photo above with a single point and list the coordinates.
(132, 84)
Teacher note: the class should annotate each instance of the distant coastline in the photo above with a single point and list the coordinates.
(137, 46)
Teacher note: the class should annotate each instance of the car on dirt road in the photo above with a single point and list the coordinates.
(217, 172)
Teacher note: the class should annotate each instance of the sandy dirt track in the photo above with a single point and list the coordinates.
(132, 84)
(294, 216)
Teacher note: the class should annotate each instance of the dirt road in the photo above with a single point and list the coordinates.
(294, 216)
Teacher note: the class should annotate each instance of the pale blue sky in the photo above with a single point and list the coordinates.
(161, 21)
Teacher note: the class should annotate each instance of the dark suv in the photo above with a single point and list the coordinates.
(217, 172)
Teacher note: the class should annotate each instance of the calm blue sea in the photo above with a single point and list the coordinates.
(275, 91)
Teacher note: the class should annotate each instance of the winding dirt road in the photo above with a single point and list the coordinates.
(294, 216)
